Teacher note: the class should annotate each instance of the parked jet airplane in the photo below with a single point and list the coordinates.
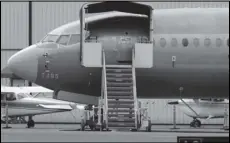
(202, 109)
(190, 47)
(21, 104)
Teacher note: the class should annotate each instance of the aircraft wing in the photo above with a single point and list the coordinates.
(26, 89)
(36, 89)
(6, 89)
(60, 107)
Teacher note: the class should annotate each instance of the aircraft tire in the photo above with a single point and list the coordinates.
(30, 123)
(82, 125)
(192, 124)
(149, 128)
(197, 123)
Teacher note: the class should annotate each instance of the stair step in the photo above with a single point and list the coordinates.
(120, 97)
(116, 79)
(121, 106)
(121, 110)
(114, 70)
(119, 84)
(121, 120)
(120, 124)
(119, 75)
(121, 115)
(121, 101)
(119, 88)
(120, 93)
(118, 66)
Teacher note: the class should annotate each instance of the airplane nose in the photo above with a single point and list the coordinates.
(24, 63)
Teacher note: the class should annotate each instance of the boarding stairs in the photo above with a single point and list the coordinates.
(119, 84)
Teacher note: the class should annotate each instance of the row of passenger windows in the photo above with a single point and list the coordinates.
(196, 42)
(75, 38)
(63, 39)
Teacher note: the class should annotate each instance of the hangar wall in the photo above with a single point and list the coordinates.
(49, 15)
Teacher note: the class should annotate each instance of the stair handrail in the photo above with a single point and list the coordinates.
(105, 88)
(134, 87)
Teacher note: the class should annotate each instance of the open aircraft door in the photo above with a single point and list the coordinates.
(91, 52)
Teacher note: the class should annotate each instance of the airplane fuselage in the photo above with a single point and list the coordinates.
(198, 39)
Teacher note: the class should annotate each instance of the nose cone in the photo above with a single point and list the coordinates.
(25, 62)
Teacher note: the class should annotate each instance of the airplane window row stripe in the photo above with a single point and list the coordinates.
(196, 42)
(75, 38)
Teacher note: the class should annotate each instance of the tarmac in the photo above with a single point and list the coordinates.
(69, 133)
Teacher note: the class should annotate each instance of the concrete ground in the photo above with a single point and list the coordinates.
(68, 133)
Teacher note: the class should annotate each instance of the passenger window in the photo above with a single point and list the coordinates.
(207, 42)
(162, 42)
(185, 42)
(196, 42)
(75, 38)
(63, 40)
(218, 42)
(174, 42)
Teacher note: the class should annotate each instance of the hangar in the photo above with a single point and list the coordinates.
(24, 23)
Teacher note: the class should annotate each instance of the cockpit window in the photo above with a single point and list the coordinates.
(50, 38)
(75, 38)
(21, 95)
(63, 40)
(218, 100)
(206, 99)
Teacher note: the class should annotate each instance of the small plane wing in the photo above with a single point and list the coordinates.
(36, 89)
(61, 107)
(26, 89)
(6, 89)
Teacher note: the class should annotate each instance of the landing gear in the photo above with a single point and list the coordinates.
(195, 123)
(149, 127)
(55, 94)
(30, 122)
(92, 121)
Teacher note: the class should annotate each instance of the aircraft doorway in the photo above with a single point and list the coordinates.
(124, 49)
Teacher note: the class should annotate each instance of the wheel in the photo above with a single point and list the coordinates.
(197, 123)
(92, 127)
(82, 125)
(149, 128)
(30, 123)
(192, 124)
